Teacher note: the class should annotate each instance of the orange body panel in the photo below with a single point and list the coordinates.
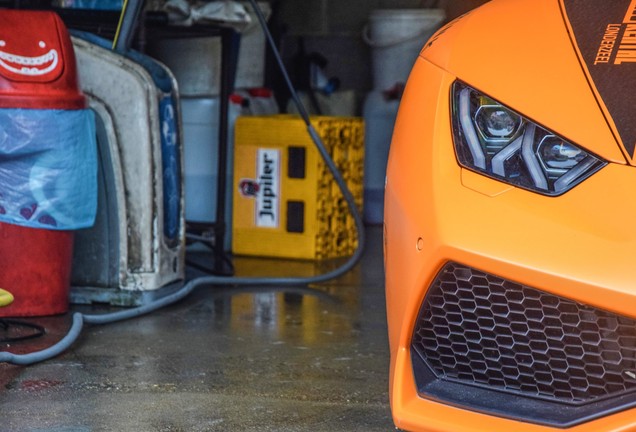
(580, 245)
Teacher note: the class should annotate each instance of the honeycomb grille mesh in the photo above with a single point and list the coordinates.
(479, 329)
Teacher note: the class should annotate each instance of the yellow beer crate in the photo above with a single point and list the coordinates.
(285, 202)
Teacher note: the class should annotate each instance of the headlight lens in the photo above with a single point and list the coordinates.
(498, 142)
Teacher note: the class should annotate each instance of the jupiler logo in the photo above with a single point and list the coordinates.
(265, 189)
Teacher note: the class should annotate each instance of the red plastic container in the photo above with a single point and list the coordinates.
(37, 62)
(37, 71)
(36, 268)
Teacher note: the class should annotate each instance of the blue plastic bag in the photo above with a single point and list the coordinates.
(48, 168)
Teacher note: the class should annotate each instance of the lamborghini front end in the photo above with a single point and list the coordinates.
(510, 223)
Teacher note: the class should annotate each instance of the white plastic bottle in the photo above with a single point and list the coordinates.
(201, 149)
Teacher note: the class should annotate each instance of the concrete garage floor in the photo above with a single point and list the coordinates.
(223, 359)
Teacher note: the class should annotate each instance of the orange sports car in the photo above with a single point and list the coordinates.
(510, 223)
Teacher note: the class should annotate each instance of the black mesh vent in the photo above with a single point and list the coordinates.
(478, 329)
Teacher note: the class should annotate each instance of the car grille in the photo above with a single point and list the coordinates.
(478, 329)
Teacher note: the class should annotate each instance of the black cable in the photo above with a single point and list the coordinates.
(6, 324)
(279, 61)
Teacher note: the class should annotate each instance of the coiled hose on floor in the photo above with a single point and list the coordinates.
(79, 318)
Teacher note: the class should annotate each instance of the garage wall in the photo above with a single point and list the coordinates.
(333, 28)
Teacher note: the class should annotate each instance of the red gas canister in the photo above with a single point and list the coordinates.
(37, 72)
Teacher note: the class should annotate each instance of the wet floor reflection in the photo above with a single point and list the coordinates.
(289, 315)
(225, 358)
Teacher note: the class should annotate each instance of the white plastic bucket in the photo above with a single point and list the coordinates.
(201, 147)
(396, 37)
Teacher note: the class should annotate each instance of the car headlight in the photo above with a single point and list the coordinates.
(498, 142)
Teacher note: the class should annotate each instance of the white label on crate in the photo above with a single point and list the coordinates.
(268, 196)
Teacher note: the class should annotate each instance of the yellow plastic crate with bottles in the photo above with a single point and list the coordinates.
(285, 202)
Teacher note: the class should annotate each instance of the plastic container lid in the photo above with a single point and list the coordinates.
(37, 62)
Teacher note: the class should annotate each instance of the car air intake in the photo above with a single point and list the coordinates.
(491, 334)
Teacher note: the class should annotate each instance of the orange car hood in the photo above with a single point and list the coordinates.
(551, 61)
